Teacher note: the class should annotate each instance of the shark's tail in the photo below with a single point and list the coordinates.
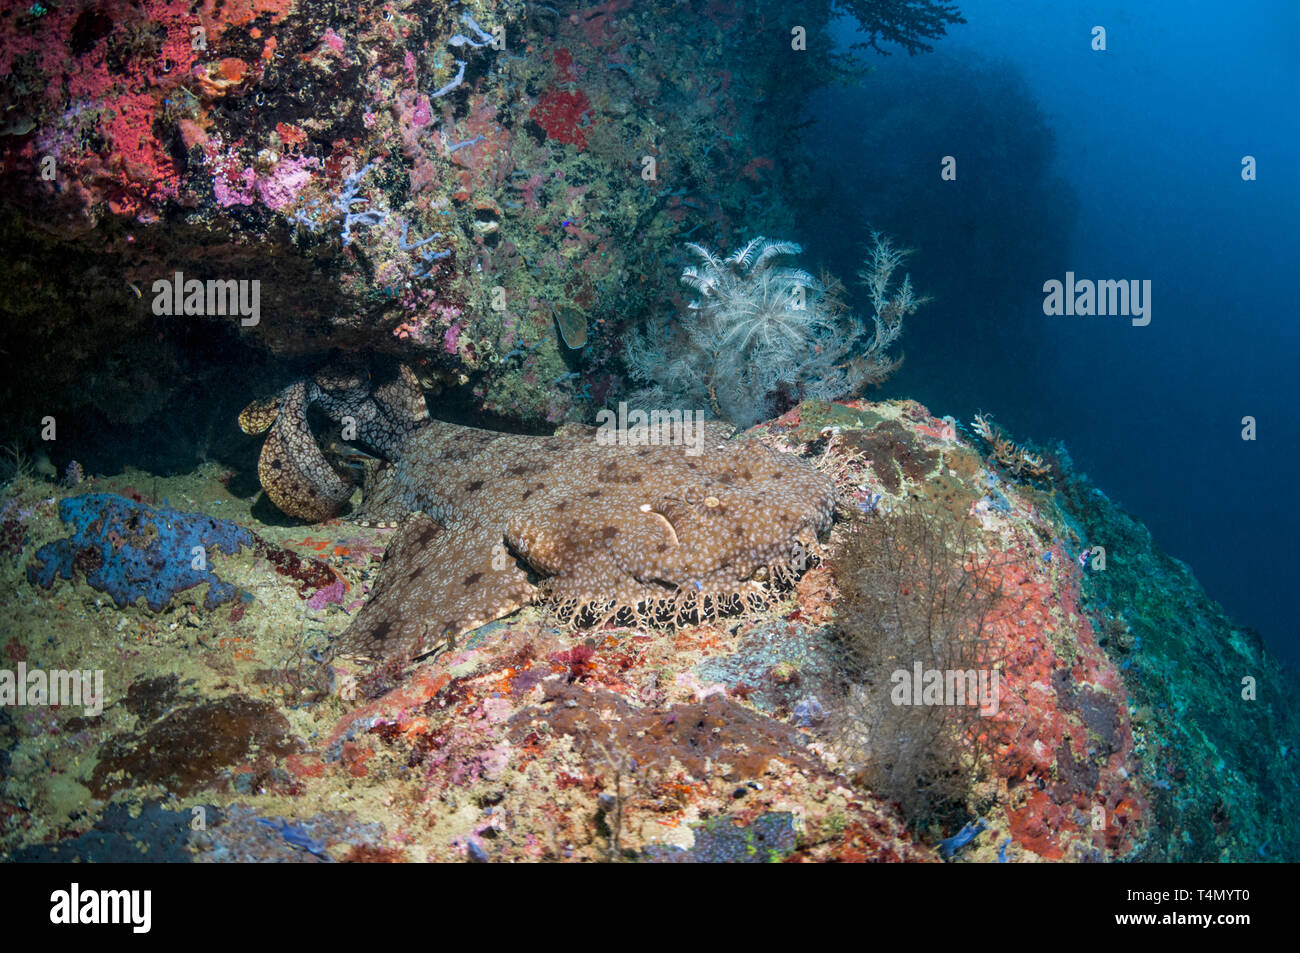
(378, 411)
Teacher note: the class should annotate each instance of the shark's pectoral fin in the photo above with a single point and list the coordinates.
(435, 583)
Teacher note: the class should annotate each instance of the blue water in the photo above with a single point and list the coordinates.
(1116, 164)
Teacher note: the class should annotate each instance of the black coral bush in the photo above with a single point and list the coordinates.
(914, 588)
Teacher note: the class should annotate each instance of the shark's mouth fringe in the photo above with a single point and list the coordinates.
(684, 605)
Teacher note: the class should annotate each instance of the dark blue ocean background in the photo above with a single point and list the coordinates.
(1119, 164)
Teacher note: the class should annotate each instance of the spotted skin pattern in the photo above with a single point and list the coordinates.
(648, 534)
(293, 470)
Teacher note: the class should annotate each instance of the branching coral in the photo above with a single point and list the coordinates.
(907, 23)
(348, 198)
(760, 334)
(1006, 453)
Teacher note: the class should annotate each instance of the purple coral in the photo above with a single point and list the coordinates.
(279, 188)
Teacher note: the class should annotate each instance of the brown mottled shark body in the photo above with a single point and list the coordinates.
(647, 531)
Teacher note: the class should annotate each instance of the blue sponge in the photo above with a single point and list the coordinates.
(130, 549)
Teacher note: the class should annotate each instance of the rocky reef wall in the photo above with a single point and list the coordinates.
(491, 192)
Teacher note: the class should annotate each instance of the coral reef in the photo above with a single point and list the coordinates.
(442, 195)
(154, 834)
(1010, 456)
(1214, 718)
(231, 733)
(241, 835)
(718, 740)
(768, 839)
(485, 198)
(914, 586)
